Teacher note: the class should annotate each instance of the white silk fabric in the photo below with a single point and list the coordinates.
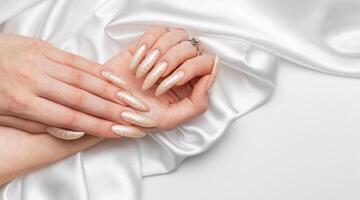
(250, 36)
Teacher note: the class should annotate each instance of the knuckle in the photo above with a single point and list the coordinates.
(29, 78)
(69, 119)
(69, 58)
(17, 104)
(108, 90)
(112, 114)
(25, 74)
(76, 78)
(78, 99)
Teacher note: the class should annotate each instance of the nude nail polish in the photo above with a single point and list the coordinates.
(147, 63)
(140, 120)
(169, 82)
(213, 74)
(154, 75)
(132, 101)
(108, 75)
(127, 131)
(64, 134)
(137, 57)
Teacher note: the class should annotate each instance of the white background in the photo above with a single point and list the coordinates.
(303, 144)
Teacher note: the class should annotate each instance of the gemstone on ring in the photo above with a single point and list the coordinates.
(195, 42)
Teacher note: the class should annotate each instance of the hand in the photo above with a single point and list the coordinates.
(183, 94)
(42, 86)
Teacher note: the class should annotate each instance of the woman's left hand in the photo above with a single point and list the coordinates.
(165, 70)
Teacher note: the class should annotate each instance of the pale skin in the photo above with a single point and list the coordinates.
(187, 99)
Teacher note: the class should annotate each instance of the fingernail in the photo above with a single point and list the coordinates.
(127, 131)
(146, 64)
(138, 55)
(140, 120)
(154, 75)
(108, 75)
(213, 75)
(64, 134)
(169, 82)
(132, 101)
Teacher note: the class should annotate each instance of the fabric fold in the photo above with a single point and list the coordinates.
(250, 37)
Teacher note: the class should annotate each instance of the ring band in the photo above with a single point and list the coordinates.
(195, 42)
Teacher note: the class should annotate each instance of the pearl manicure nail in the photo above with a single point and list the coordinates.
(138, 55)
(127, 131)
(108, 75)
(154, 75)
(169, 82)
(146, 64)
(64, 134)
(132, 101)
(140, 120)
(213, 75)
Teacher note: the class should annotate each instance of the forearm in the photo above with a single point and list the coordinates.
(22, 152)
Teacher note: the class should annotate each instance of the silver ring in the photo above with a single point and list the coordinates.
(195, 42)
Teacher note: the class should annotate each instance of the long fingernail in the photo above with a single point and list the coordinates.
(146, 64)
(140, 120)
(138, 55)
(154, 75)
(108, 75)
(132, 101)
(64, 134)
(213, 75)
(169, 82)
(127, 131)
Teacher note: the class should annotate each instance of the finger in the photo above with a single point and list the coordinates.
(22, 124)
(174, 57)
(164, 43)
(198, 66)
(145, 43)
(96, 86)
(82, 101)
(87, 103)
(179, 54)
(57, 115)
(36, 127)
(189, 107)
(72, 60)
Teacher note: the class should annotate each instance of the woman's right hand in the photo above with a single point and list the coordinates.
(42, 86)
